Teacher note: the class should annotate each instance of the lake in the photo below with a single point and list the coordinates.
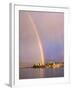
(29, 73)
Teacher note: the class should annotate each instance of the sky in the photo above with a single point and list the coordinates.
(50, 28)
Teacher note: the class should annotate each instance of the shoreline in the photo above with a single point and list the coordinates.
(47, 65)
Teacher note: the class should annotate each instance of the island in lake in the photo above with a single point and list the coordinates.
(49, 65)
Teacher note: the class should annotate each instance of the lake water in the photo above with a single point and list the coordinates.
(29, 73)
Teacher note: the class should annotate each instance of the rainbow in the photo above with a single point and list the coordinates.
(38, 39)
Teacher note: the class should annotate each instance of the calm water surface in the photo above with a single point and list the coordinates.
(29, 73)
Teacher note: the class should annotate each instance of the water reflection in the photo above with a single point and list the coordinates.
(29, 73)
